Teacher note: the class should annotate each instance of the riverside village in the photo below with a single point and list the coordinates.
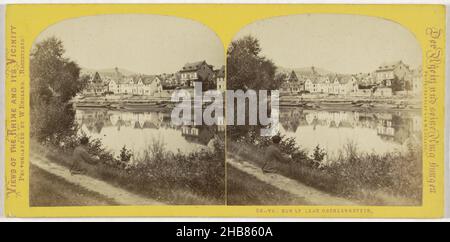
(395, 84)
(114, 87)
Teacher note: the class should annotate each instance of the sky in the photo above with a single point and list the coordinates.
(147, 44)
(339, 43)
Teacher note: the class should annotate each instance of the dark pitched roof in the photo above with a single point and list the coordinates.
(292, 77)
(390, 66)
(148, 79)
(194, 66)
(97, 78)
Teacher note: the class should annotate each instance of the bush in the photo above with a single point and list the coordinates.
(319, 154)
(201, 172)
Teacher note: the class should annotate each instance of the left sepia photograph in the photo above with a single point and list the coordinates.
(101, 102)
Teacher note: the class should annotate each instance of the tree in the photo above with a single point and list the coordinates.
(52, 75)
(408, 86)
(280, 78)
(398, 84)
(54, 81)
(248, 69)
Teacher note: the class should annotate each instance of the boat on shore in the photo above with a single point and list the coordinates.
(91, 105)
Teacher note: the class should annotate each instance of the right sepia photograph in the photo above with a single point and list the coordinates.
(350, 113)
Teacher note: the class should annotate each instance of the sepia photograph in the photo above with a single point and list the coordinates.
(249, 112)
(101, 103)
(350, 113)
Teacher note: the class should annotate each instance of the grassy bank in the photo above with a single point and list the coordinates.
(171, 178)
(374, 179)
(244, 189)
(47, 190)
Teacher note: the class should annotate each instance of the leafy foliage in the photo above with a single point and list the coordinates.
(53, 75)
(201, 172)
(398, 84)
(248, 69)
(319, 154)
(54, 81)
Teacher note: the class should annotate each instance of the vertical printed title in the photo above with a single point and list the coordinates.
(15, 113)
(433, 79)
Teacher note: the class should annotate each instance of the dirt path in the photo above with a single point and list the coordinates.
(312, 196)
(48, 190)
(120, 196)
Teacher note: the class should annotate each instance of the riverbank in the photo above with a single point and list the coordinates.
(318, 102)
(174, 179)
(366, 178)
(125, 102)
(352, 103)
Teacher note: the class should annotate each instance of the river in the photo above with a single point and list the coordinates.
(138, 130)
(378, 132)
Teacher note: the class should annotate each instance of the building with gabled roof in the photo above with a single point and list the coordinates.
(135, 85)
(96, 85)
(292, 77)
(292, 84)
(388, 79)
(197, 72)
(145, 85)
(329, 84)
(170, 81)
(386, 73)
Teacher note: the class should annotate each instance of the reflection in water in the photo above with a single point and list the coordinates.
(137, 130)
(378, 132)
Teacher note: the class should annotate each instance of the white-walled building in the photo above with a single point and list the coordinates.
(141, 85)
(199, 71)
(387, 72)
(116, 83)
(149, 85)
(337, 85)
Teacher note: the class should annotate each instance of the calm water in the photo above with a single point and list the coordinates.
(138, 130)
(378, 132)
